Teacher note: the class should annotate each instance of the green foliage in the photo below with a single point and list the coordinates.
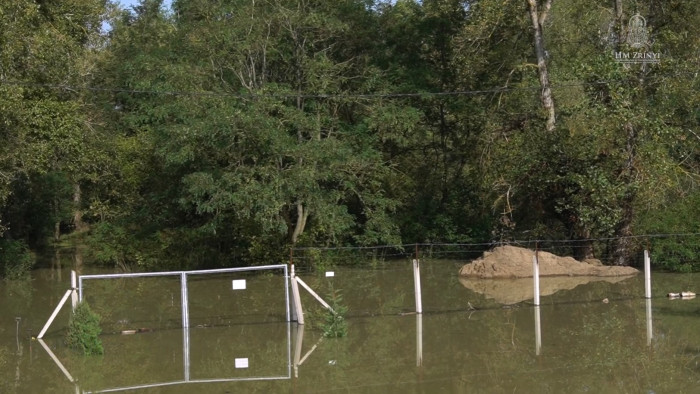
(334, 324)
(36, 205)
(84, 330)
(228, 131)
(15, 259)
(682, 253)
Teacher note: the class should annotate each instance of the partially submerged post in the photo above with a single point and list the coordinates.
(296, 299)
(74, 287)
(647, 275)
(536, 285)
(536, 278)
(416, 283)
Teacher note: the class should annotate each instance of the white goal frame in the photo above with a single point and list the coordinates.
(183, 283)
(185, 320)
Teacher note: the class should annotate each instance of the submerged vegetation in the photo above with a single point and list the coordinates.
(335, 325)
(15, 259)
(220, 133)
(84, 331)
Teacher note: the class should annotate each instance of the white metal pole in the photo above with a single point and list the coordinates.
(647, 275)
(53, 315)
(293, 299)
(184, 301)
(185, 326)
(416, 285)
(536, 278)
(286, 292)
(74, 286)
(80, 288)
(297, 299)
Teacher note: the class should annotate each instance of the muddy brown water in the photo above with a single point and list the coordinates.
(464, 342)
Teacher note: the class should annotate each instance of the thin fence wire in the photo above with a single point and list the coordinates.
(378, 280)
(682, 248)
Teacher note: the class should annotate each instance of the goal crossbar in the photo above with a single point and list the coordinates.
(183, 282)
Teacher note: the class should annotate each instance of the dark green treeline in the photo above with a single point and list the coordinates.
(223, 131)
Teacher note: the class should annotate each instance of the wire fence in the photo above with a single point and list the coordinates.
(677, 252)
(379, 280)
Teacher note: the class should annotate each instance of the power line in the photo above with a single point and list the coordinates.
(250, 96)
(410, 247)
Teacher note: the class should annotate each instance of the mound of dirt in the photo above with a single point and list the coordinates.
(514, 262)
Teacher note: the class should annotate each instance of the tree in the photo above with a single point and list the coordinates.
(44, 46)
(538, 15)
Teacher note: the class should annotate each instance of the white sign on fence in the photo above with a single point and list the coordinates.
(241, 363)
(239, 284)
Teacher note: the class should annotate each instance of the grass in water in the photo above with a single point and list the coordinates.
(84, 331)
(335, 325)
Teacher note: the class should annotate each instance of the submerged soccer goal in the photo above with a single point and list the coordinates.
(184, 299)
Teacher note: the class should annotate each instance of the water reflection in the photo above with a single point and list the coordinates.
(513, 291)
(538, 331)
(419, 340)
(589, 346)
(650, 330)
(207, 355)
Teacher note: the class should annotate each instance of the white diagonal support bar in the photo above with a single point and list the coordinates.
(55, 312)
(313, 293)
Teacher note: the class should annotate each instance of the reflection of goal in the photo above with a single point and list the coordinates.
(203, 303)
(173, 299)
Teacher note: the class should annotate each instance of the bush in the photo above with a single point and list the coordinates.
(675, 253)
(335, 325)
(84, 330)
(15, 259)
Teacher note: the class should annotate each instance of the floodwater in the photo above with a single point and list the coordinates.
(466, 341)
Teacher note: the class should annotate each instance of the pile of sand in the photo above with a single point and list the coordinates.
(515, 262)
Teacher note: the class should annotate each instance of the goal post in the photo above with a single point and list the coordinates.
(184, 283)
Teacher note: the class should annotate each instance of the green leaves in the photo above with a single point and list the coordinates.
(84, 330)
(236, 128)
(15, 260)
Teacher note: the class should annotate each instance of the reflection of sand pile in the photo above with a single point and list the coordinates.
(514, 262)
(512, 291)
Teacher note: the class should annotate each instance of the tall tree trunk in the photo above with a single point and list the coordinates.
(622, 245)
(299, 43)
(78, 259)
(302, 215)
(57, 231)
(584, 249)
(538, 18)
(77, 213)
